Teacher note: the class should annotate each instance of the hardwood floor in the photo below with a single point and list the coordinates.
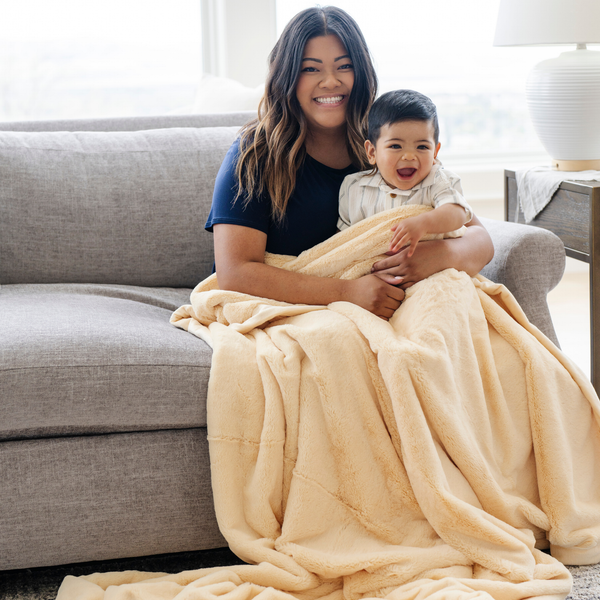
(569, 307)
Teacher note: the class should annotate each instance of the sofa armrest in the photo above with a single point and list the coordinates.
(530, 262)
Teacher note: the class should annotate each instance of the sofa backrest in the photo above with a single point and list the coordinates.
(132, 123)
(120, 201)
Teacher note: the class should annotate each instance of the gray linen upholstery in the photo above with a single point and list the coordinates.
(108, 207)
(103, 450)
(83, 498)
(530, 262)
(97, 359)
(133, 123)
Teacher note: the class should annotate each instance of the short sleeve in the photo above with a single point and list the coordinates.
(344, 204)
(310, 216)
(226, 208)
(447, 189)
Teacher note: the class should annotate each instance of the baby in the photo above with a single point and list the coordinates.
(403, 145)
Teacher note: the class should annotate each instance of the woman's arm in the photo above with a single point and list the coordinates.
(239, 259)
(469, 253)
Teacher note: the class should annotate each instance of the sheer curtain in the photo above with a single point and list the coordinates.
(98, 58)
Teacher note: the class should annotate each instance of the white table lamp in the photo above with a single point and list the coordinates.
(563, 93)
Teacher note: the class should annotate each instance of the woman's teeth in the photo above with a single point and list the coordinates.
(330, 100)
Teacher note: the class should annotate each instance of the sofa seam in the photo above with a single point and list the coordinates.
(2, 370)
(104, 433)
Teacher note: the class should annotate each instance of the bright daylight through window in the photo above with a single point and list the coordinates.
(68, 59)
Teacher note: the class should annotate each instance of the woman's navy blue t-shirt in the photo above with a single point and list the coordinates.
(312, 211)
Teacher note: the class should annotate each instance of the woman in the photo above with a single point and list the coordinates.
(289, 165)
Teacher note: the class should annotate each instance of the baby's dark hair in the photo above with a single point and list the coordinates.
(401, 105)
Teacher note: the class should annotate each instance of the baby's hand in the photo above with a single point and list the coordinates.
(408, 231)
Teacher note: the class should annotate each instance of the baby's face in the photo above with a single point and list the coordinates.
(404, 153)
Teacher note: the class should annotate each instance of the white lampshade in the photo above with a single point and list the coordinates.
(563, 94)
(539, 22)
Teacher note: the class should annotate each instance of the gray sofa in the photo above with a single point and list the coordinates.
(103, 450)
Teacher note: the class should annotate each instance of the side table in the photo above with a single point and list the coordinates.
(574, 216)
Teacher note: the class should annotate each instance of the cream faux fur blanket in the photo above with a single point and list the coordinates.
(429, 457)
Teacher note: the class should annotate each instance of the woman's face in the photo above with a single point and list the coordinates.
(325, 82)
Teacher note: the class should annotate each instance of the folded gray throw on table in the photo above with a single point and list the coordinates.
(537, 185)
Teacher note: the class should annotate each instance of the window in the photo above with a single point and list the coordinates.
(98, 58)
(443, 48)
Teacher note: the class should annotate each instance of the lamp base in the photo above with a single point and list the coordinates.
(563, 97)
(576, 165)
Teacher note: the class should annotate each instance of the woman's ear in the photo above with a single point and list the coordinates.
(370, 148)
(437, 149)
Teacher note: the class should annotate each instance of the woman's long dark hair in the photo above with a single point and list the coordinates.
(272, 146)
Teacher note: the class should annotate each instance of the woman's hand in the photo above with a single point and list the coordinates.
(374, 295)
(404, 270)
(469, 253)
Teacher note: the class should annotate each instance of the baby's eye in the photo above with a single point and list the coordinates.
(423, 147)
(395, 146)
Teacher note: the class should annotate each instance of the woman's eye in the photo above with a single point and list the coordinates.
(347, 66)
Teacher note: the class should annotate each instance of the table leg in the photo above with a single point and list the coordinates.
(594, 331)
(595, 289)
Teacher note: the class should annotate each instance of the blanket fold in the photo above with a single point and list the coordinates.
(433, 456)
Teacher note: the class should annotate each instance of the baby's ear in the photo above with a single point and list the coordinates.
(370, 148)
(437, 149)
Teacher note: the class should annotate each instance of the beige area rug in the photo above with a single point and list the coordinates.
(43, 583)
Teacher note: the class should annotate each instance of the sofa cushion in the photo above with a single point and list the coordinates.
(124, 207)
(86, 359)
(101, 497)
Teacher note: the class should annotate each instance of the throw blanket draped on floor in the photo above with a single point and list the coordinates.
(429, 457)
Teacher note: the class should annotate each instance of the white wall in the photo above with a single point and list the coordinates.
(237, 36)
